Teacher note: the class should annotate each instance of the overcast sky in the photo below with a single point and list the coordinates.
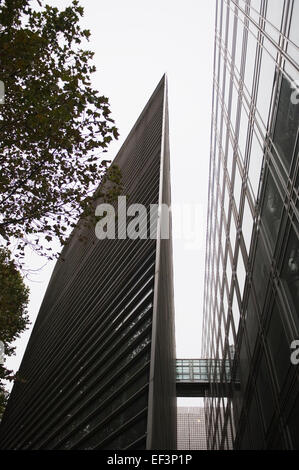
(135, 43)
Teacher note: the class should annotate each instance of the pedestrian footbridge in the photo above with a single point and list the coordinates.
(203, 378)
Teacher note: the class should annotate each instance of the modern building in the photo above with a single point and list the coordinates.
(99, 368)
(252, 260)
(191, 431)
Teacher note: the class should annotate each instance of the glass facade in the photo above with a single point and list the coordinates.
(251, 302)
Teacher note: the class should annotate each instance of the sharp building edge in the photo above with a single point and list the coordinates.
(98, 371)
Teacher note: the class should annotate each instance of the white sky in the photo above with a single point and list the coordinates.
(135, 42)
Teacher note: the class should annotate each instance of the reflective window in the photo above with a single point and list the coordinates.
(232, 233)
(255, 6)
(274, 16)
(226, 198)
(255, 163)
(290, 272)
(237, 187)
(278, 345)
(250, 61)
(229, 161)
(227, 88)
(230, 32)
(224, 18)
(239, 41)
(221, 73)
(247, 225)
(293, 424)
(264, 387)
(252, 324)
(272, 209)
(220, 173)
(257, 435)
(265, 85)
(224, 137)
(286, 128)
(218, 13)
(294, 33)
(241, 274)
(243, 132)
(244, 365)
(234, 107)
(261, 272)
(228, 271)
(236, 312)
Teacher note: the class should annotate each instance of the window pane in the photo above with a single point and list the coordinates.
(261, 272)
(286, 125)
(278, 345)
(272, 209)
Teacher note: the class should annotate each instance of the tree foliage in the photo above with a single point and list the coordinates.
(13, 313)
(54, 126)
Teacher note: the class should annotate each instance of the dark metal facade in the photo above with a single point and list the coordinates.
(252, 260)
(98, 371)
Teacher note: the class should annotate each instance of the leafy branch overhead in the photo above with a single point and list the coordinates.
(54, 125)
